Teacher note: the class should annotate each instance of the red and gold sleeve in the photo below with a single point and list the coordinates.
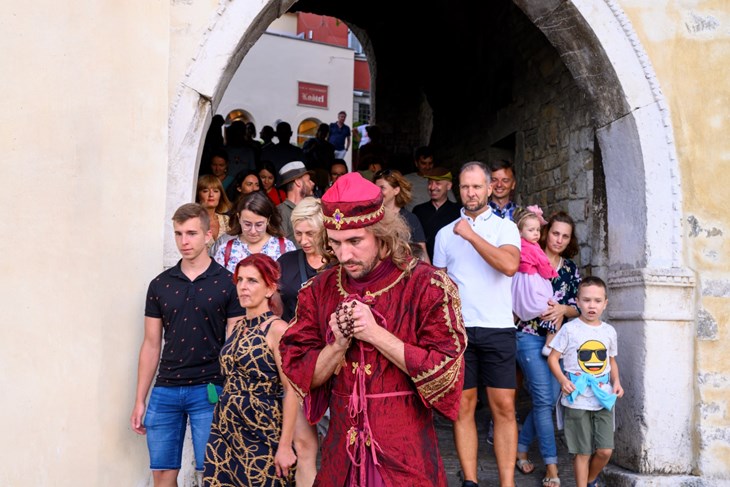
(436, 361)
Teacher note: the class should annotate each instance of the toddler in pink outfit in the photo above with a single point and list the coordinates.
(531, 286)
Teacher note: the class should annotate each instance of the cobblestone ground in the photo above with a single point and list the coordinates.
(487, 464)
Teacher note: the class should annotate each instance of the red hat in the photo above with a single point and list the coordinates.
(352, 202)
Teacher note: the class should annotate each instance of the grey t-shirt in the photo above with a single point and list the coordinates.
(586, 349)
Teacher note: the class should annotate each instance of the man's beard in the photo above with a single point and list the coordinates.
(365, 267)
(474, 206)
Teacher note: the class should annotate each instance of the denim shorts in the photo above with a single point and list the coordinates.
(167, 415)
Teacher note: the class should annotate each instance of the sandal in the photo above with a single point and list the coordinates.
(551, 482)
(525, 466)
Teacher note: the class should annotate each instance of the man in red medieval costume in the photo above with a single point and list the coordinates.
(378, 339)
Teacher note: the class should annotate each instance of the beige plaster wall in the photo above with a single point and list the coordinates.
(688, 43)
(189, 21)
(83, 119)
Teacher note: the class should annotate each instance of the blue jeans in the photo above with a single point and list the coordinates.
(167, 415)
(544, 390)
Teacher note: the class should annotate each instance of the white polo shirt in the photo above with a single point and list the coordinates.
(486, 294)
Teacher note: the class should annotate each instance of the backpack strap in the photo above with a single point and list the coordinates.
(282, 245)
(227, 252)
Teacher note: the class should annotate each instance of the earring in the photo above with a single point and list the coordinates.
(269, 296)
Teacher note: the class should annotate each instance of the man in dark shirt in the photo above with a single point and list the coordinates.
(340, 136)
(193, 304)
(438, 212)
(284, 151)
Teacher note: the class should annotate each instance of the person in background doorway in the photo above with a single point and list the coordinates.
(340, 135)
(439, 211)
(219, 167)
(267, 136)
(337, 169)
(210, 195)
(268, 175)
(297, 182)
(503, 186)
(283, 152)
(396, 195)
(318, 156)
(423, 160)
(246, 182)
(213, 142)
(242, 155)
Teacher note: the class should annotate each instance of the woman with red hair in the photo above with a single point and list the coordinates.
(251, 436)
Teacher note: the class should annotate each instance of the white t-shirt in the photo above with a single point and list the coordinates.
(586, 350)
(486, 294)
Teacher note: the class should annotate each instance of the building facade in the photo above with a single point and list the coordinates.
(122, 95)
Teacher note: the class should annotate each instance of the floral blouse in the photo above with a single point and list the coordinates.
(565, 290)
(239, 250)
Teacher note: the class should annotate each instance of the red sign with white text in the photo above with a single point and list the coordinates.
(312, 95)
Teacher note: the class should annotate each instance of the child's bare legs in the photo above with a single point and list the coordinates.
(587, 467)
(599, 459)
(580, 467)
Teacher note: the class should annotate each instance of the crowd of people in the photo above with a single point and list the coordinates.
(320, 311)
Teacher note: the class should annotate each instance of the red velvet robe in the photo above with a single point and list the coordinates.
(392, 428)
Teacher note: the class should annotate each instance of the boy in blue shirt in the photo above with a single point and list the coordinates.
(590, 384)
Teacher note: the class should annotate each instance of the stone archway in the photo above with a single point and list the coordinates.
(597, 44)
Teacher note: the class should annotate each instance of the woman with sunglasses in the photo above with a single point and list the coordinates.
(255, 227)
(560, 244)
(396, 195)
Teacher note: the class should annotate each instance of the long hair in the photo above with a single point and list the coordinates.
(573, 248)
(393, 235)
(208, 181)
(396, 180)
(260, 204)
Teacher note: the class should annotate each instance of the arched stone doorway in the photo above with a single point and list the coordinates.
(644, 266)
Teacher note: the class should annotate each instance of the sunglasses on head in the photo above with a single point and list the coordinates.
(382, 173)
(585, 355)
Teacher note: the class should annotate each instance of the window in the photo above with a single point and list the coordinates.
(307, 130)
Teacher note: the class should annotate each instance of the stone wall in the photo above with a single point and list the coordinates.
(542, 121)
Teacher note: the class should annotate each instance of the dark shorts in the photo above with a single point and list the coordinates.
(490, 358)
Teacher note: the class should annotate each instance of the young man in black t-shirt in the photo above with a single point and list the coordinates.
(192, 304)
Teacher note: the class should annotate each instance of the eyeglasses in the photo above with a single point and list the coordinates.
(585, 355)
(258, 226)
(382, 173)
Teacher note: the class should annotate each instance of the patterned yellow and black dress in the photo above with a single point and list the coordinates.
(246, 427)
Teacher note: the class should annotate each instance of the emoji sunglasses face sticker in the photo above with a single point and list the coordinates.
(592, 357)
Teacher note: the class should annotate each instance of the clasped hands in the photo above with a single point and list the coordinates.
(353, 319)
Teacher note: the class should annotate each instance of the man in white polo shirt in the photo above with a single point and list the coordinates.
(481, 253)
